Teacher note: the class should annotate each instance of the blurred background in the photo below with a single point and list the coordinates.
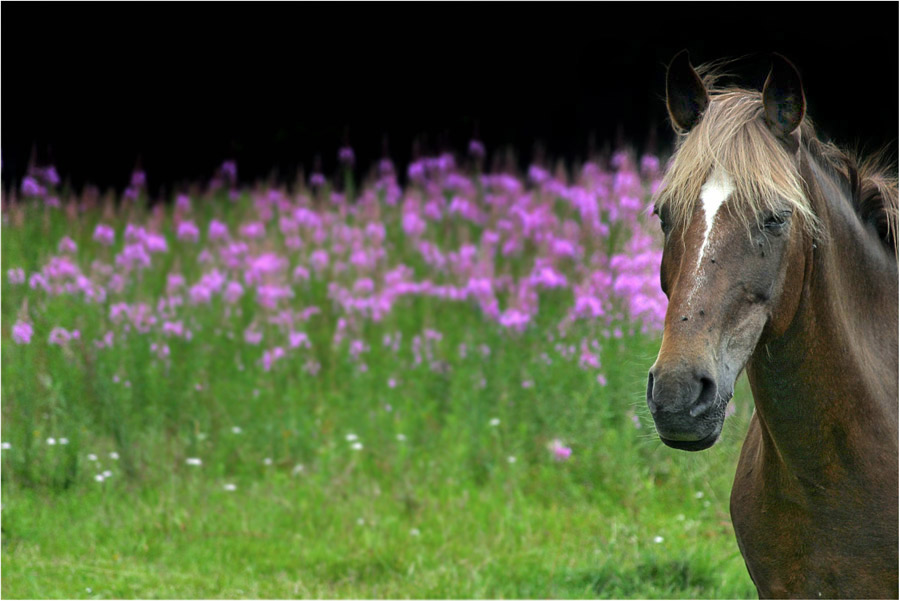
(178, 92)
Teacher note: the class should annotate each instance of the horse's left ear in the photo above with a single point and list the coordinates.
(783, 97)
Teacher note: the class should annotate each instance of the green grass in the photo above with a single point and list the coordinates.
(459, 509)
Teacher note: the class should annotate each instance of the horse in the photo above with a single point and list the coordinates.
(780, 260)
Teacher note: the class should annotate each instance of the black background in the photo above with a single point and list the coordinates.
(178, 88)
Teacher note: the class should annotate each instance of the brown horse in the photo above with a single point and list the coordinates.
(781, 258)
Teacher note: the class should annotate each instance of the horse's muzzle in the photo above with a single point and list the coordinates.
(683, 405)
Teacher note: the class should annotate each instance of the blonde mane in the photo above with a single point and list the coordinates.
(732, 135)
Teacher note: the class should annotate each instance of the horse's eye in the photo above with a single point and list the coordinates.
(775, 221)
(663, 222)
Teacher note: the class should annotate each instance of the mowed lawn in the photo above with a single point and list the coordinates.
(403, 394)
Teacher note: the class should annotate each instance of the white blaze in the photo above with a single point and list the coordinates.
(713, 195)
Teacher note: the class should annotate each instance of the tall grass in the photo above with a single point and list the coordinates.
(430, 391)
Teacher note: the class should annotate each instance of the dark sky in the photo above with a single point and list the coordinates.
(181, 88)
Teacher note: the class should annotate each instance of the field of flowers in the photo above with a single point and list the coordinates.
(349, 390)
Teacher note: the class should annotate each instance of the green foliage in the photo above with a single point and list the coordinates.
(453, 493)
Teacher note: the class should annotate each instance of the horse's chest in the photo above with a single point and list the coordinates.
(775, 544)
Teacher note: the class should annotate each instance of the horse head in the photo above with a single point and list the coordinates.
(737, 231)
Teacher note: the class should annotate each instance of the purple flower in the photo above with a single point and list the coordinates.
(476, 149)
(649, 164)
(252, 337)
(16, 275)
(22, 332)
(416, 171)
(538, 175)
(254, 229)
(319, 259)
(60, 336)
(174, 281)
(104, 234)
(31, 187)
(138, 179)
(413, 225)
(156, 243)
(298, 339)
(135, 233)
(229, 171)
(515, 319)
(183, 202)
(301, 273)
(233, 292)
(188, 231)
(200, 293)
(133, 256)
(559, 451)
(173, 328)
(385, 167)
(268, 296)
(346, 156)
(316, 180)
(48, 175)
(270, 357)
(218, 230)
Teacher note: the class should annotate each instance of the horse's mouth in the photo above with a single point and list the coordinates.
(693, 445)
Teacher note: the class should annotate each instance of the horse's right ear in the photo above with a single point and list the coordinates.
(686, 97)
(783, 98)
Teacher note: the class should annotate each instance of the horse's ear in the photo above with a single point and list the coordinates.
(783, 97)
(686, 97)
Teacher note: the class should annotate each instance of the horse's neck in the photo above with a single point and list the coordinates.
(829, 383)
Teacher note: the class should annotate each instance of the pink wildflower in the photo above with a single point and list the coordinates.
(67, 245)
(60, 336)
(16, 275)
(218, 230)
(104, 234)
(252, 337)
(188, 231)
(560, 452)
(22, 332)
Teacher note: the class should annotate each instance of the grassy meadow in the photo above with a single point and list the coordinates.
(350, 390)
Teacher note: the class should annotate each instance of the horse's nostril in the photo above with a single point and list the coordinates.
(653, 407)
(706, 398)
